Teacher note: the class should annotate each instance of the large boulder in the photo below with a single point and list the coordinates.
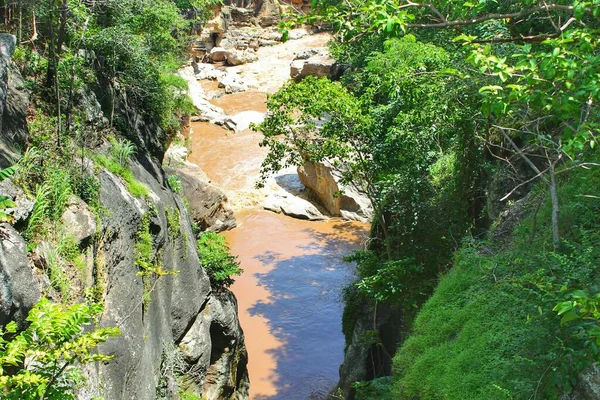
(290, 205)
(588, 385)
(19, 290)
(239, 57)
(339, 200)
(319, 65)
(208, 205)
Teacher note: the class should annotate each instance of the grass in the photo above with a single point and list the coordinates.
(134, 187)
(489, 331)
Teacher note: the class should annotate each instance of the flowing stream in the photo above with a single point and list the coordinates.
(290, 294)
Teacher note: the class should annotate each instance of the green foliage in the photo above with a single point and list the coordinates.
(214, 256)
(6, 202)
(121, 151)
(134, 187)
(42, 361)
(511, 322)
(175, 184)
(377, 389)
(173, 221)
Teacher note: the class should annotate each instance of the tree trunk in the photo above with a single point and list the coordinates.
(555, 208)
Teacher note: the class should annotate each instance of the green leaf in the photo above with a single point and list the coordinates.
(569, 316)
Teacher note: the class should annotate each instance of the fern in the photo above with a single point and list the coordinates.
(41, 208)
(7, 172)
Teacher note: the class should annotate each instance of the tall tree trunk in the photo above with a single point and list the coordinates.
(555, 208)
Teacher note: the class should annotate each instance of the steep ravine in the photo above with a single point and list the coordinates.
(290, 294)
(177, 333)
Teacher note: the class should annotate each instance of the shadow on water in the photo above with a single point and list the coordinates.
(304, 309)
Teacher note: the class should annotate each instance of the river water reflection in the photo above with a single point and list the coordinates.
(290, 300)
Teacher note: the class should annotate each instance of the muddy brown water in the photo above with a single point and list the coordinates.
(289, 300)
(289, 296)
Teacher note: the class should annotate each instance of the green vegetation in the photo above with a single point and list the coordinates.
(448, 112)
(217, 261)
(43, 361)
(492, 331)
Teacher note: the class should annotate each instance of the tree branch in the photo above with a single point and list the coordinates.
(520, 14)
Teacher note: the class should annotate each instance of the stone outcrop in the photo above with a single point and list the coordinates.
(587, 387)
(365, 362)
(339, 200)
(208, 204)
(19, 290)
(13, 105)
(79, 221)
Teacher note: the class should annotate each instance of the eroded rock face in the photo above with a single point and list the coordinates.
(588, 386)
(208, 204)
(338, 200)
(19, 290)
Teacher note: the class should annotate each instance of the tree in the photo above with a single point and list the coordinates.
(543, 89)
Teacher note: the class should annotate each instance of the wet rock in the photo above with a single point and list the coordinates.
(79, 221)
(319, 65)
(290, 205)
(19, 290)
(339, 200)
(24, 204)
(208, 205)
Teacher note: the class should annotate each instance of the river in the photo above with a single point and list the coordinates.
(290, 294)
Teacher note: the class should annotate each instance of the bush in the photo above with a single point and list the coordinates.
(214, 256)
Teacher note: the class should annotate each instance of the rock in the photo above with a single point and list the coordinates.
(24, 204)
(79, 221)
(338, 200)
(14, 101)
(208, 205)
(268, 13)
(227, 376)
(238, 57)
(304, 55)
(290, 205)
(587, 387)
(232, 83)
(19, 290)
(207, 71)
(242, 16)
(361, 359)
(207, 111)
(243, 120)
(267, 43)
(319, 65)
(218, 54)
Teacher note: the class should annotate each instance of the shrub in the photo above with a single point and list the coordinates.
(41, 361)
(214, 255)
